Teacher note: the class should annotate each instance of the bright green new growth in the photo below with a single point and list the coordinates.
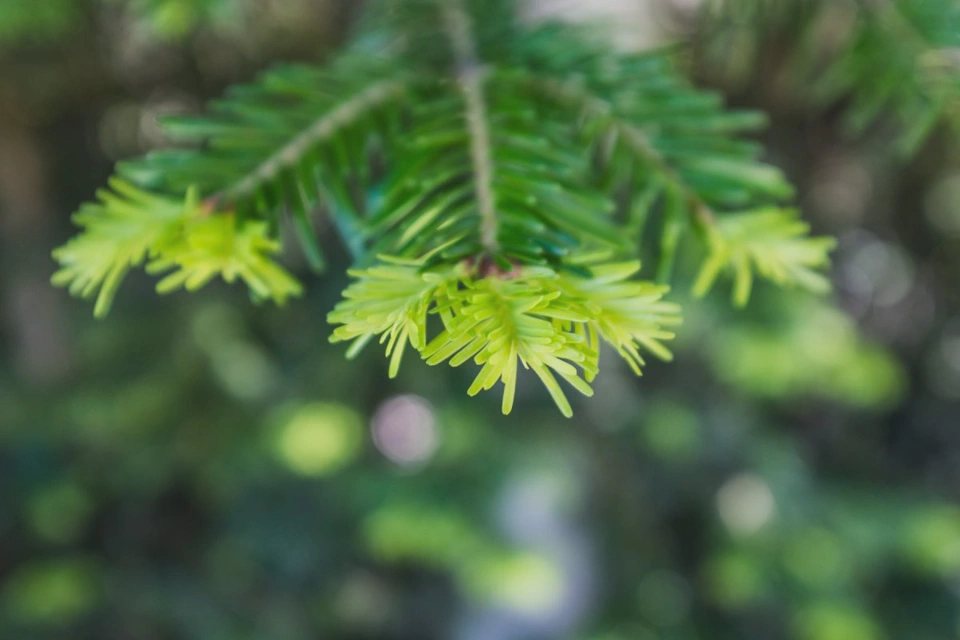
(130, 227)
(391, 301)
(489, 159)
(774, 244)
(546, 321)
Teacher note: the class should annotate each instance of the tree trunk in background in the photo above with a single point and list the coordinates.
(34, 320)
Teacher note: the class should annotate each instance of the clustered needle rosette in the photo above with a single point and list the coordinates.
(548, 322)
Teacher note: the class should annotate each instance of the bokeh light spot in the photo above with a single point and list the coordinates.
(434, 537)
(405, 430)
(524, 582)
(942, 205)
(244, 370)
(746, 504)
(836, 622)
(932, 540)
(735, 579)
(672, 430)
(816, 558)
(320, 439)
(54, 592)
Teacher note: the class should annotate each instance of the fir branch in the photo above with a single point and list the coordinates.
(489, 186)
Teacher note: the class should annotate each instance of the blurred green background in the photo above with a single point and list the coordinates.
(197, 468)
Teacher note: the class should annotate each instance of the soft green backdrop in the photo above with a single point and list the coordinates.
(196, 468)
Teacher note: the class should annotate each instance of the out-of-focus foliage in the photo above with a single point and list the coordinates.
(195, 468)
(25, 22)
(174, 19)
(892, 60)
(809, 350)
(36, 21)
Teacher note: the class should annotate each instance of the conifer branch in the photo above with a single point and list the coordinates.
(491, 198)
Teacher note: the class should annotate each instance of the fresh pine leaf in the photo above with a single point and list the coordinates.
(775, 243)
